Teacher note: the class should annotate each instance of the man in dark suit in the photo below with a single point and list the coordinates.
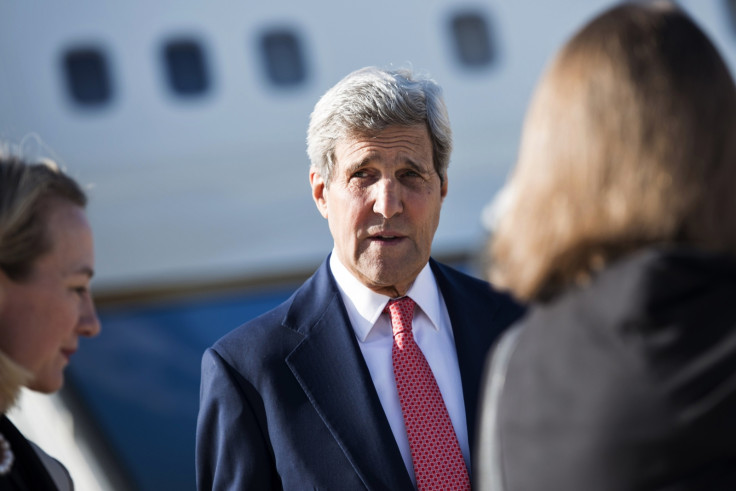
(305, 396)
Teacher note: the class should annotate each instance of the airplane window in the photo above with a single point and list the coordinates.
(185, 67)
(87, 76)
(283, 58)
(472, 39)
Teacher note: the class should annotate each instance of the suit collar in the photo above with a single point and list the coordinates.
(474, 326)
(342, 394)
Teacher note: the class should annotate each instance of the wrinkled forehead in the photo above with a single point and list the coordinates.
(409, 141)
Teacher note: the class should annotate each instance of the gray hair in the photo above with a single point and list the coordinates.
(370, 99)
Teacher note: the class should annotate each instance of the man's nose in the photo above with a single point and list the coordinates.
(388, 201)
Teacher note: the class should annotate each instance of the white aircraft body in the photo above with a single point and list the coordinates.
(188, 120)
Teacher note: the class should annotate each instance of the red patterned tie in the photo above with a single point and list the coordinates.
(435, 452)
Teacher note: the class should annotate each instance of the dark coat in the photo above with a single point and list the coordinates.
(287, 401)
(628, 383)
(32, 469)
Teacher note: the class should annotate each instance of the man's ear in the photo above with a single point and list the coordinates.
(319, 191)
(443, 188)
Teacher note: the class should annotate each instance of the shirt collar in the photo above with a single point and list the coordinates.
(365, 306)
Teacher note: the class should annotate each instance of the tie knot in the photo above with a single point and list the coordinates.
(401, 311)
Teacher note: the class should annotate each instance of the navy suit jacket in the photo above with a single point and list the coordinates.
(287, 401)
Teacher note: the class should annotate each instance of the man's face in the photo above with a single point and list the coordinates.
(383, 205)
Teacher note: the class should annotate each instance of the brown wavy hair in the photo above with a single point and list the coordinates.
(629, 141)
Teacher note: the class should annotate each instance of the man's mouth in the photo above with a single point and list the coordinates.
(386, 238)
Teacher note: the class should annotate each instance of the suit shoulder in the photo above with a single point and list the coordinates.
(454, 275)
(260, 325)
(473, 290)
(460, 279)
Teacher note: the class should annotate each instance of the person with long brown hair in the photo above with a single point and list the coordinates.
(619, 230)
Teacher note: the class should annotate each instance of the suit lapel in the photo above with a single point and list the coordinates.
(471, 309)
(330, 368)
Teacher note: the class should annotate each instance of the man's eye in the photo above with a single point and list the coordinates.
(360, 174)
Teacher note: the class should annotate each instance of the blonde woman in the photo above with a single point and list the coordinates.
(46, 263)
(620, 230)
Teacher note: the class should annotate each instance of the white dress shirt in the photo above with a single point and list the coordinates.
(432, 333)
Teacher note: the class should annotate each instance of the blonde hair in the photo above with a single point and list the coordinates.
(630, 140)
(25, 191)
(12, 377)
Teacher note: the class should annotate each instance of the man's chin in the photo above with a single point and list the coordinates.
(390, 279)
